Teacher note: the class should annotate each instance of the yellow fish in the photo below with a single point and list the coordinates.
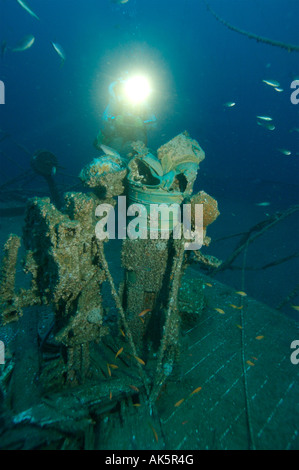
(259, 338)
(250, 363)
(134, 388)
(109, 370)
(154, 432)
(178, 403)
(295, 307)
(239, 326)
(240, 292)
(144, 312)
(119, 352)
(113, 366)
(122, 332)
(235, 306)
(219, 310)
(198, 389)
(140, 360)
(208, 284)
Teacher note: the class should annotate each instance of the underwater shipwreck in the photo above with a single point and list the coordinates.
(136, 355)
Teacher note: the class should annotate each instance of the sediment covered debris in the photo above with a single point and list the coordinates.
(67, 267)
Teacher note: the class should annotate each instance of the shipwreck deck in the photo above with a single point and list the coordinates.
(219, 415)
(216, 417)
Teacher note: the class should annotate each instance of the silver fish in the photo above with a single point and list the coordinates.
(284, 151)
(230, 104)
(27, 8)
(266, 125)
(109, 151)
(263, 204)
(58, 48)
(265, 118)
(25, 43)
(273, 83)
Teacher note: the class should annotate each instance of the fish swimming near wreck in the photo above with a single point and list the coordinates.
(24, 44)
(26, 7)
(58, 48)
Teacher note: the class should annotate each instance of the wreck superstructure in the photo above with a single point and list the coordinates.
(67, 267)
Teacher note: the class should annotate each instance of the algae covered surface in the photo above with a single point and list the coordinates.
(111, 339)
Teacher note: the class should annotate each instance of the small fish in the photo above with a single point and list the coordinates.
(250, 363)
(110, 395)
(198, 389)
(119, 352)
(184, 422)
(265, 118)
(24, 44)
(229, 104)
(136, 404)
(219, 310)
(122, 332)
(136, 389)
(254, 358)
(273, 83)
(109, 370)
(294, 129)
(27, 8)
(284, 151)
(109, 151)
(58, 48)
(240, 292)
(178, 403)
(295, 307)
(270, 127)
(240, 327)
(144, 312)
(235, 306)
(208, 284)
(140, 360)
(259, 337)
(113, 366)
(154, 432)
(263, 204)
(141, 319)
(278, 89)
